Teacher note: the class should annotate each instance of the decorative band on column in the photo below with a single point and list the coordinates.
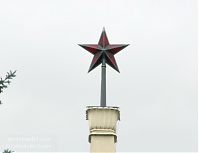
(102, 132)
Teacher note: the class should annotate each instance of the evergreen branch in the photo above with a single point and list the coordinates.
(5, 82)
(7, 151)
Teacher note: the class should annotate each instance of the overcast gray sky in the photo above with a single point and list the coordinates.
(44, 107)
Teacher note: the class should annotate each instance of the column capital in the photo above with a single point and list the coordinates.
(102, 121)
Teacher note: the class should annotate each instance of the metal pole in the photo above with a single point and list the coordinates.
(103, 84)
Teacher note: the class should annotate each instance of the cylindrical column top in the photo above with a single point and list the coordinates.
(102, 120)
(105, 109)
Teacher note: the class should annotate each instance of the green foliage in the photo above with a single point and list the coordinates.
(7, 151)
(5, 82)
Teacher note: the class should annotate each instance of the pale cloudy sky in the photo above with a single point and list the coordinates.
(44, 107)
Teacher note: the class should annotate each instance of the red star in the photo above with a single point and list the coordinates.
(103, 50)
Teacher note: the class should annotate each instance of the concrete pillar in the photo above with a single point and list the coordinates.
(102, 126)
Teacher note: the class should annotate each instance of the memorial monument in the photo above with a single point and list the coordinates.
(103, 119)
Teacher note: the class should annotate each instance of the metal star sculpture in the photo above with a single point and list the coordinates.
(103, 53)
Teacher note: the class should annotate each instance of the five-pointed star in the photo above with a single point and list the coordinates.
(103, 50)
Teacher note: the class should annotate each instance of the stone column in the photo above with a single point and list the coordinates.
(102, 126)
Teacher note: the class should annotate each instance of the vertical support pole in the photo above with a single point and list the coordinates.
(103, 84)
